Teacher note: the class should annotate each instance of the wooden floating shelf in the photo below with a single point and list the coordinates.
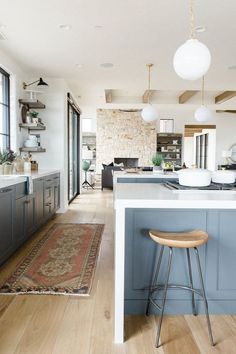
(169, 144)
(32, 126)
(32, 103)
(25, 149)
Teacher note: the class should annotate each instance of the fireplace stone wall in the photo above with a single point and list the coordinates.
(123, 134)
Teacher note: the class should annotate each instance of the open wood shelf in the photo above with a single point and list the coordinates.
(37, 126)
(32, 103)
(25, 149)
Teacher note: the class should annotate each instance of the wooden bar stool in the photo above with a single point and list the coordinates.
(186, 240)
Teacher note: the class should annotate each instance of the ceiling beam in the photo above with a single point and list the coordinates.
(225, 96)
(226, 111)
(186, 95)
(108, 96)
(202, 126)
(145, 95)
(190, 130)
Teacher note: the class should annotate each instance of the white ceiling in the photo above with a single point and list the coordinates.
(133, 33)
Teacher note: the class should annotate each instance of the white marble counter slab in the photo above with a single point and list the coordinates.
(155, 195)
(9, 180)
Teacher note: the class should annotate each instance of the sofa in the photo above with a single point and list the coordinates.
(107, 175)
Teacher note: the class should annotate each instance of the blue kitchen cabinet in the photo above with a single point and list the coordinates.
(7, 213)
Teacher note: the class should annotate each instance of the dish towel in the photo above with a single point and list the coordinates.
(29, 185)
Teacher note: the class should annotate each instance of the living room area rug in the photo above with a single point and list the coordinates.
(62, 262)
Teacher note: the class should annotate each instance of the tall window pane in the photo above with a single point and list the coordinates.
(4, 110)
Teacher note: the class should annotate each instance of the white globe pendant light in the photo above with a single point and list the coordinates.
(192, 59)
(203, 113)
(149, 113)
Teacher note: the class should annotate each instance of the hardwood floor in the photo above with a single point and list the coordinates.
(32, 324)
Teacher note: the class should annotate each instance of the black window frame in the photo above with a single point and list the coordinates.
(6, 113)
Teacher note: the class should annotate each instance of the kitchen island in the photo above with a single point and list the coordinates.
(143, 206)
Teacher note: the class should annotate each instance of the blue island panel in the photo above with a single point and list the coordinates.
(217, 258)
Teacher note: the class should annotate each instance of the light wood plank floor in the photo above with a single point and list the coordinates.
(32, 324)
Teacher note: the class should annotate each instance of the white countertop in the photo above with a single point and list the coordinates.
(143, 174)
(155, 195)
(9, 180)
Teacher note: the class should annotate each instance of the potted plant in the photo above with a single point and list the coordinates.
(34, 116)
(6, 160)
(157, 160)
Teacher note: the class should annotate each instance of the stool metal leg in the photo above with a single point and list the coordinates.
(191, 281)
(155, 277)
(204, 297)
(164, 297)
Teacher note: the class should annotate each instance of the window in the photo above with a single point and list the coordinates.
(4, 110)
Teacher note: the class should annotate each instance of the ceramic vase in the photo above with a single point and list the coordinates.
(157, 169)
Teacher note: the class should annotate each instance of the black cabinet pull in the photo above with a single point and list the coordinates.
(5, 190)
(48, 204)
(27, 201)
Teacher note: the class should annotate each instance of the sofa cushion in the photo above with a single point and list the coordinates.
(105, 166)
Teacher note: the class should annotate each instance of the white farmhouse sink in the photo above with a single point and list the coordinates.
(7, 177)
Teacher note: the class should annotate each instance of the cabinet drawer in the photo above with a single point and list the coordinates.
(56, 180)
(20, 190)
(48, 181)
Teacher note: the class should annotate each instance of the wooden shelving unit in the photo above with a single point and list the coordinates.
(32, 149)
(169, 145)
(32, 104)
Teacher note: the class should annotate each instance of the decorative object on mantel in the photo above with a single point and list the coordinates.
(226, 154)
(192, 59)
(233, 153)
(166, 125)
(62, 262)
(39, 82)
(203, 113)
(149, 113)
(157, 160)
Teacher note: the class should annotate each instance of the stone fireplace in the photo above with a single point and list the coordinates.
(127, 161)
(124, 135)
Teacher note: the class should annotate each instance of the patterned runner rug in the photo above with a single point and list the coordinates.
(62, 262)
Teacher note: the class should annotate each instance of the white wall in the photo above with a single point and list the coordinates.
(188, 151)
(17, 76)
(54, 138)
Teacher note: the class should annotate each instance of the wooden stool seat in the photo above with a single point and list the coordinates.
(190, 239)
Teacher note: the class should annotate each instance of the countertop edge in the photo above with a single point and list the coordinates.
(22, 177)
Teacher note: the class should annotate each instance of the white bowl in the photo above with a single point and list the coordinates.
(30, 143)
(194, 177)
(223, 176)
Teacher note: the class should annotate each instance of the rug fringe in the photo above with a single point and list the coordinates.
(42, 293)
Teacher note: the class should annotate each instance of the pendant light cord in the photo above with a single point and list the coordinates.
(203, 88)
(192, 21)
(149, 81)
